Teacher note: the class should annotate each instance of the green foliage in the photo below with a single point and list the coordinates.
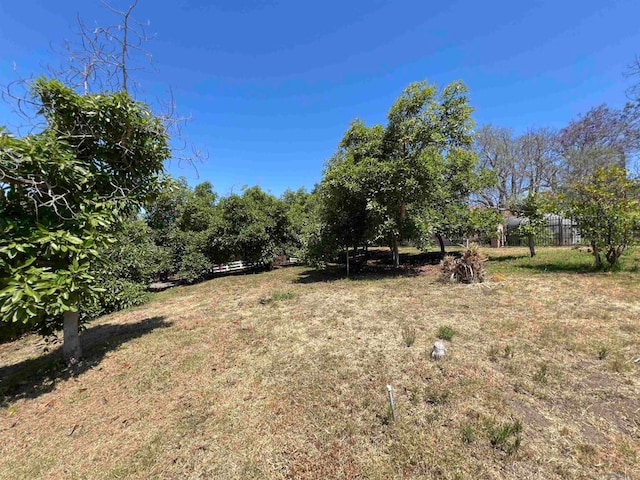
(299, 206)
(65, 191)
(603, 352)
(445, 333)
(277, 296)
(255, 225)
(197, 230)
(47, 272)
(533, 209)
(409, 179)
(541, 375)
(468, 434)
(506, 437)
(126, 267)
(607, 209)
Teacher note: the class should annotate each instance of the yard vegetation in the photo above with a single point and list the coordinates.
(327, 369)
(283, 374)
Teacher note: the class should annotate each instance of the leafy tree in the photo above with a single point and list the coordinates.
(299, 205)
(344, 216)
(64, 191)
(255, 225)
(532, 209)
(424, 131)
(382, 178)
(607, 209)
(194, 234)
(127, 265)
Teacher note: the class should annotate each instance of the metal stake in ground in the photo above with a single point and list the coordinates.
(391, 402)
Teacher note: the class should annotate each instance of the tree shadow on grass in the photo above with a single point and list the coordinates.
(562, 267)
(507, 258)
(377, 267)
(35, 376)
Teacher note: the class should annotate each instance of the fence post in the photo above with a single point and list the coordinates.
(561, 236)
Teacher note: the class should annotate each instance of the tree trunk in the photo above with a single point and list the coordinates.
(394, 251)
(347, 261)
(70, 340)
(532, 245)
(596, 255)
(441, 242)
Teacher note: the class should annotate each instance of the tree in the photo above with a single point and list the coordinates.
(64, 191)
(523, 164)
(383, 179)
(126, 267)
(532, 209)
(424, 130)
(498, 152)
(254, 225)
(606, 206)
(346, 213)
(541, 164)
(299, 205)
(634, 71)
(345, 219)
(601, 137)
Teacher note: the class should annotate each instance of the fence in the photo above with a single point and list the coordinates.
(558, 231)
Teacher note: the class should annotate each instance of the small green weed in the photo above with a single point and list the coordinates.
(408, 335)
(602, 353)
(277, 296)
(508, 351)
(506, 437)
(445, 333)
(542, 373)
(468, 434)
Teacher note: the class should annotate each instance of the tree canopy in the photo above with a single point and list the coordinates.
(64, 191)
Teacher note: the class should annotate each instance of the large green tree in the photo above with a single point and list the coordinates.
(64, 190)
(413, 170)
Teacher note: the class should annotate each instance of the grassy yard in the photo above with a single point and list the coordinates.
(283, 375)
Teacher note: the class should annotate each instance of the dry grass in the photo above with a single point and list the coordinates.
(283, 375)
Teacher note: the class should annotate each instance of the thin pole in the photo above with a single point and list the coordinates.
(391, 402)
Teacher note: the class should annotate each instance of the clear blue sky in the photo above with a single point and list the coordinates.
(271, 85)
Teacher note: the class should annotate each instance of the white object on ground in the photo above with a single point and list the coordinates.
(439, 351)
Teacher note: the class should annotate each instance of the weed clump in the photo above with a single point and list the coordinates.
(467, 269)
(276, 296)
(445, 333)
(408, 335)
(506, 437)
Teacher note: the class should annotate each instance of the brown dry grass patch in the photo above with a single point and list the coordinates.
(265, 376)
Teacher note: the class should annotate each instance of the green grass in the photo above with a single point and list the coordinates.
(554, 259)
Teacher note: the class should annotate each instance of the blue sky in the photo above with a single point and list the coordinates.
(271, 85)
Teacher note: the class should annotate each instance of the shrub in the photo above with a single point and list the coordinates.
(467, 269)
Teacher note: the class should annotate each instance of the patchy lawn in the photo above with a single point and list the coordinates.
(283, 375)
